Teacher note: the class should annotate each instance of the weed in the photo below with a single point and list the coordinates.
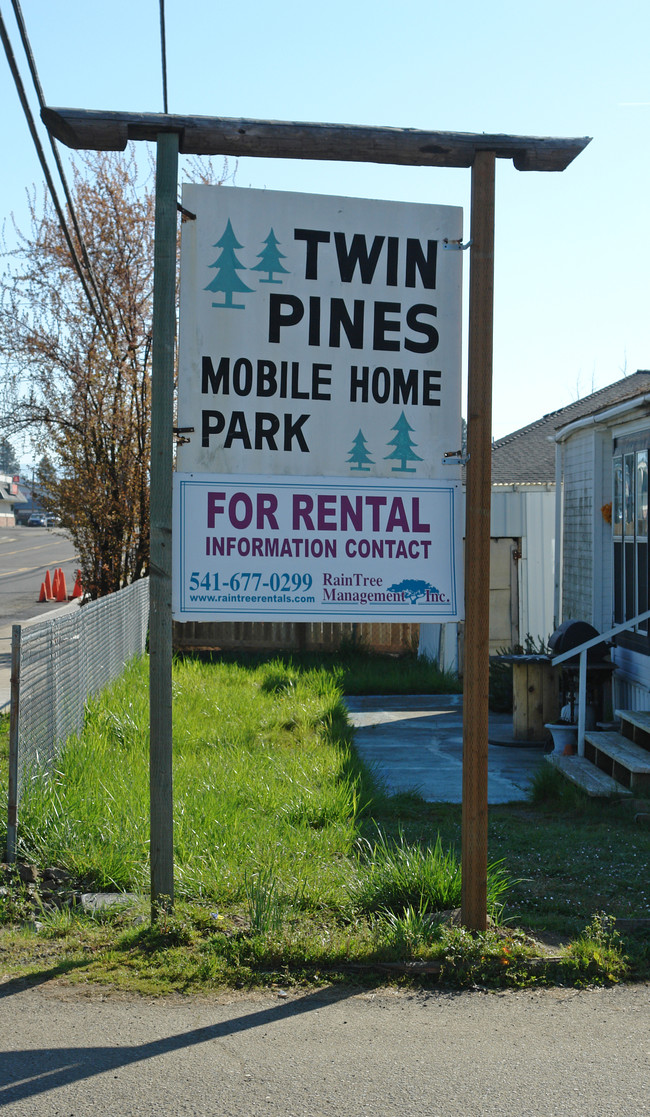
(16, 901)
(596, 956)
(601, 930)
(263, 902)
(479, 958)
(278, 678)
(410, 930)
(550, 788)
(57, 923)
(328, 806)
(396, 875)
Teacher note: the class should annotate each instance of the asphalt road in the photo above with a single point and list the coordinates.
(25, 554)
(333, 1053)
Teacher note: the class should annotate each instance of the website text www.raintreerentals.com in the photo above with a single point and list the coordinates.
(253, 598)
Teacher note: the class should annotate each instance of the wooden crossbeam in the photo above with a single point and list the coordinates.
(279, 139)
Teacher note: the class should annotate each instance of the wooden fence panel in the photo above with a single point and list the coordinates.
(395, 639)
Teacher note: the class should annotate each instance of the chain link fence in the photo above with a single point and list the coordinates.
(56, 666)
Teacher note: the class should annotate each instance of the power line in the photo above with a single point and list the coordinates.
(163, 49)
(55, 151)
(97, 314)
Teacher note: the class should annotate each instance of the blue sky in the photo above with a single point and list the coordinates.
(571, 275)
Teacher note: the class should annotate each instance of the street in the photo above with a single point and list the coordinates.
(25, 554)
(70, 1052)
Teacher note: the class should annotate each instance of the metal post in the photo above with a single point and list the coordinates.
(582, 702)
(477, 547)
(160, 565)
(12, 803)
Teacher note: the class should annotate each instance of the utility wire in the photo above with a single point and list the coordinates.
(55, 151)
(46, 171)
(163, 48)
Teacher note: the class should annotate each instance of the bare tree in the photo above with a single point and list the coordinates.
(79, 382)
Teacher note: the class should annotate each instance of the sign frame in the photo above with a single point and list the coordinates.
(315, 549)
(319, 335)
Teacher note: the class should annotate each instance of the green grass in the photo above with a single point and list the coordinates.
(358, 670)
(263, 774)
(4, 749)
(291, 862)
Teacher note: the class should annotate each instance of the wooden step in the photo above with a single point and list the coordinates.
(619, 757)
(622, 749)
(635, 724)
(586, 775)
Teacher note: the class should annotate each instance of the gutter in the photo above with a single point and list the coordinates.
(639, 403)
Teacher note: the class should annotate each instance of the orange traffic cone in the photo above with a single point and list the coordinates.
(55, 584)
(77, 591)
(49, 596)
(41, 596)
(61, 593)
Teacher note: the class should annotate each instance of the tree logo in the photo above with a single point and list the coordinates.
(414, 589)
(359, 458)
(403, 444)
(270, 259)
(227, 266)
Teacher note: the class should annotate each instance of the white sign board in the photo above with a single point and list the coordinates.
(272, 548)
(319, 336)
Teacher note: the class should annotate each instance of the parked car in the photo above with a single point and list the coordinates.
(37, 519)
(52, 521)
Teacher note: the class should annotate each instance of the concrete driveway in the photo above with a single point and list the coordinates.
(415, 743)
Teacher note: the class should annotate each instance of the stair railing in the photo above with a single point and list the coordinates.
(582, 650)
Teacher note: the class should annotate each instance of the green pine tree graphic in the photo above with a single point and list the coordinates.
(270, 259)
(227, 266)
(359, 457)
(403, 444)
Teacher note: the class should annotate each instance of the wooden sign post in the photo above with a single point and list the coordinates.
(477, 547)
(161, 839)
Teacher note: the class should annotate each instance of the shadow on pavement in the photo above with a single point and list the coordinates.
(27, 1073)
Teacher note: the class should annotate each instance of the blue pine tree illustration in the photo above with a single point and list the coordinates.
(227, 266)
(270, 259)
(403, 444)
(359, 457)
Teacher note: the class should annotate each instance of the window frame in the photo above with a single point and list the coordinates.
(629, 537)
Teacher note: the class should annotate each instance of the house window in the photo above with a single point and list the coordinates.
(630, 535)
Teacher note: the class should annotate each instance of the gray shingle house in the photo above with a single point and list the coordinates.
(602, 563)
(544, 562)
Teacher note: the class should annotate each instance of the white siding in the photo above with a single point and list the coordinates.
(507, 513)
(525, 517)
(536, 566)
(630, 694)
(528, 514)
